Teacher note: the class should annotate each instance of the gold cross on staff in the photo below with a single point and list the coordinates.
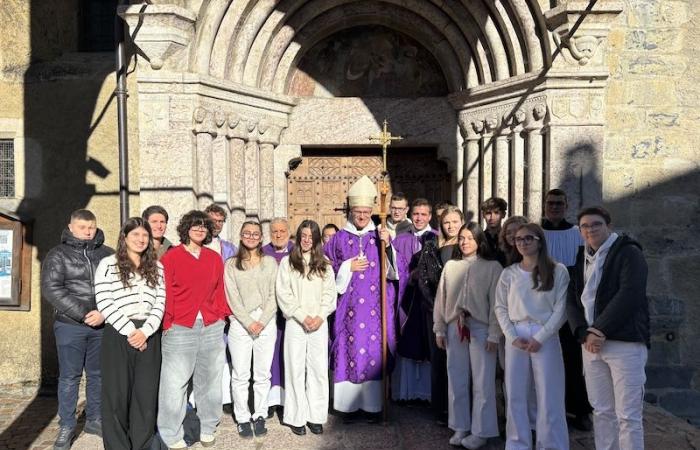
(384, 139)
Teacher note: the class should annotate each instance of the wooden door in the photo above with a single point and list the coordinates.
(318, 187)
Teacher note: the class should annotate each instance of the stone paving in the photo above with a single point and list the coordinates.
(28, 421)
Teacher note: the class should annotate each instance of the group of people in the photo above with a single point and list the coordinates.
(150, 323)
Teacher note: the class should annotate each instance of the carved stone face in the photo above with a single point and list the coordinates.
(478, 126)
(519, 116)
(200, 114)
(539, 111)
(233, 120)
(491, 123)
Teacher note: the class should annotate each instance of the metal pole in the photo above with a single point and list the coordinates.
(385, 309)
(122, 134)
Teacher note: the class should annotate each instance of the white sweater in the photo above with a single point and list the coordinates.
(517, 301)
(467, 285)
(299, 297)
(120, 305)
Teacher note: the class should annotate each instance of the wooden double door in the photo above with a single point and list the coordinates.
(317, 188)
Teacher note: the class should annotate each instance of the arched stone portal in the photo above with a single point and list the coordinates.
(223, 108)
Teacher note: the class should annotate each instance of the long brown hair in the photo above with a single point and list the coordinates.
(512, 254)
(543, 273)
(243, 252)
(148, 268)
(317, 263)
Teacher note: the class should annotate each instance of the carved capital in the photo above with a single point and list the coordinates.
(161, 32)
(270, 135)
(580, 30)
(203, 122)
(491, 123)
(236, 127)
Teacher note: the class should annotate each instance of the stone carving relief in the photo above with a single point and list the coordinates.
(578, 108)
(232, 125)
(368, 61)
(503, 119)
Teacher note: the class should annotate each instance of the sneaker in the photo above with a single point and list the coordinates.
(207, 440)
(93, 427)
(315, 428)
(271, 412)
(64, 439)
(473, 442)
(259, 426)
(456, 438)
(178, 445)
(245, 430)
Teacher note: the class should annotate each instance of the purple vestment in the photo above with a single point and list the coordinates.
(356, 337)
(277, 369)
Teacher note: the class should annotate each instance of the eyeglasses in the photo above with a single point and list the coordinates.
(595, 226)
(526, 240)
(251, 235)
(198, 228)
(361, 213)
(218, 222)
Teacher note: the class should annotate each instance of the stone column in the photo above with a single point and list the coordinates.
(488, 144)
(252, 173)
(205, 131)
(269, 139)
(237, 135)
(517, 177)
(502, 165)
(471, 132)
(534, 156)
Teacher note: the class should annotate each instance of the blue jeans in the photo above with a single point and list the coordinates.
(196, 353)
(78, 347)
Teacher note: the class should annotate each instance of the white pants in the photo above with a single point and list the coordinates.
(615, 382)
(546, 369)
(242, 346)
(305, 375)
(463, 360)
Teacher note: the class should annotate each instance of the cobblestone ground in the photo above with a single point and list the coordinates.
(28, 421)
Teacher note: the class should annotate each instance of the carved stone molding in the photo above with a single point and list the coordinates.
(504, 119)
(580, 30)
(161, 32)
(233, 125)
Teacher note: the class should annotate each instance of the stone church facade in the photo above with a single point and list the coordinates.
(265, 107)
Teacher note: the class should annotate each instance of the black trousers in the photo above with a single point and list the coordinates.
(576, 394)
(438, 371)
(130, 381)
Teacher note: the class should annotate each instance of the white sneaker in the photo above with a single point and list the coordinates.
(456, 438)
(473, 442)
(178, 445)
(207, 440)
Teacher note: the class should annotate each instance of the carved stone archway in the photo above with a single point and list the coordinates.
(217, 122)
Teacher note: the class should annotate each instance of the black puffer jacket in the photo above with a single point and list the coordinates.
(67, 275)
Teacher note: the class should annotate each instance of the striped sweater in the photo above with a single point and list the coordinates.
(119, 305)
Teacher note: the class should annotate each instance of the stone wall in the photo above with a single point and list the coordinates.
(651, 180)
(58, 105)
